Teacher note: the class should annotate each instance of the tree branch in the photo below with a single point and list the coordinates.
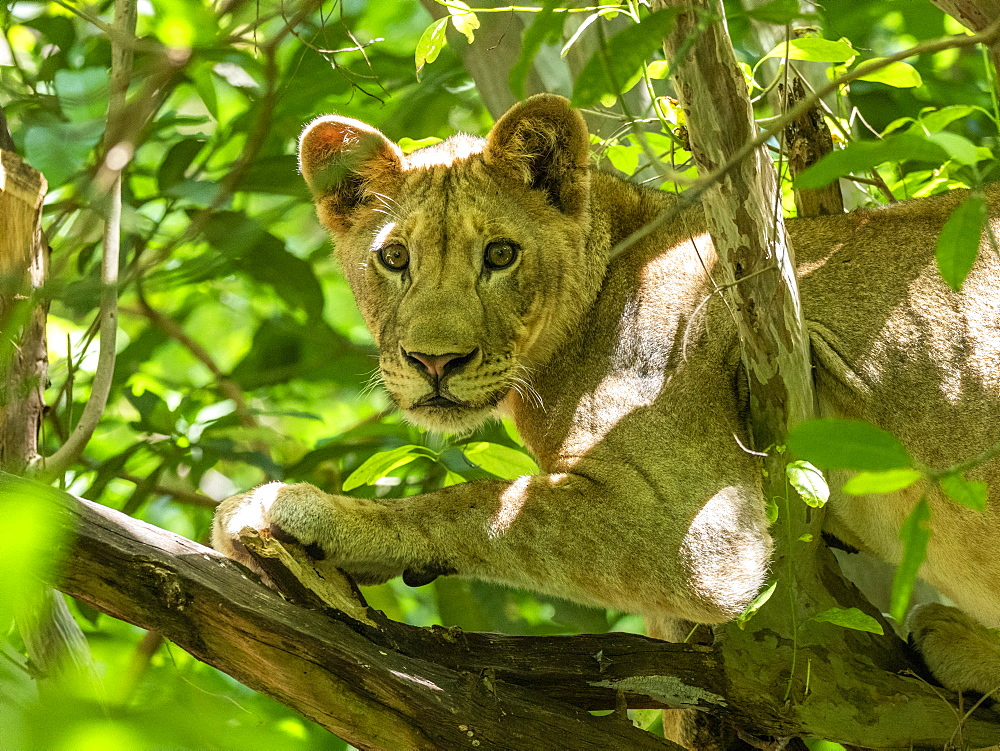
(396, 686)
(387, 686)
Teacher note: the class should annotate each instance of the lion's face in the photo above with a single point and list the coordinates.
(468, 271)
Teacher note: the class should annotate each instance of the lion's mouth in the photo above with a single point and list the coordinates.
(438, 401)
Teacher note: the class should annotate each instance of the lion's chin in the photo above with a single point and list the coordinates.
(459, 419)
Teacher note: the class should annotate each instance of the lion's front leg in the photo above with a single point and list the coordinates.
(560, 534)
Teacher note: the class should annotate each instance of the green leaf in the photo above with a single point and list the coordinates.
(866, 483)
(409, 145)
(850, 618)
(848, 444)
(935, 120)
(381, 464)
(176, 162)
(82, 93)
(971, 494)
(263, 257)
(623, 157)
(432, 41)
(204, 84)
(898, 74)
(914, 534)
(808, 482)
(862, 156)
(463, 19)
(60, 150)
(755, 605)
(616, 62)
(959, 148)
(658, 69)
(776, 11)
(958, 243)
(32, 554)
(499, 460)
(814, 49)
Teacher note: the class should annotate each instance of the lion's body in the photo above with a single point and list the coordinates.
(624, 378)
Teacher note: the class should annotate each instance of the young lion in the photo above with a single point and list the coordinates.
(482, 270)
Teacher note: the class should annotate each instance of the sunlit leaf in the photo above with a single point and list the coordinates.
(409, 145)
(897, 74)
(915, 533)
(463, 19)
(756, 604)
(958, 243)
(848, 444)
(615, 63)
(958, 147)
(850, 618)
(658, 69)
(432, 41)
(808, 482)
(814, 49)
(502, 461)
(383, 463)
(28, 556)
(969, 493)
(865, 483)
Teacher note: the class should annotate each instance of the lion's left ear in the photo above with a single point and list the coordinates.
(543, 142)
(344, 161)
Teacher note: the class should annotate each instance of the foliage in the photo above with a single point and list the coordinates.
(242, 357)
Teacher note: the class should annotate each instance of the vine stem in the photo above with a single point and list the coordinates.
(117, 155)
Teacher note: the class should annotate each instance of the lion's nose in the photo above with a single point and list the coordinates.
(439, 365)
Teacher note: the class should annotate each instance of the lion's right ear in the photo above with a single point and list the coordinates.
(345, 161)
(544, 143)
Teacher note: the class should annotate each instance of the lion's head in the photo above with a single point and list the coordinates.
(468, 259)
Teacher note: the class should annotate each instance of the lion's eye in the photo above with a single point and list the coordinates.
(394, 256)
(500, 254)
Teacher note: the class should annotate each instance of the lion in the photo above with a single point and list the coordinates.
(482, 269)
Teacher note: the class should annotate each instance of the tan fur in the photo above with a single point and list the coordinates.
(624, 378)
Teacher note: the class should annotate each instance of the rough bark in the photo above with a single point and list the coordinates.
(386, 685)
(807, 140)
(23, 357)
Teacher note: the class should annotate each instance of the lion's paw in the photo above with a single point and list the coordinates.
(289, 513)
(338, 530)
(961, 653)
